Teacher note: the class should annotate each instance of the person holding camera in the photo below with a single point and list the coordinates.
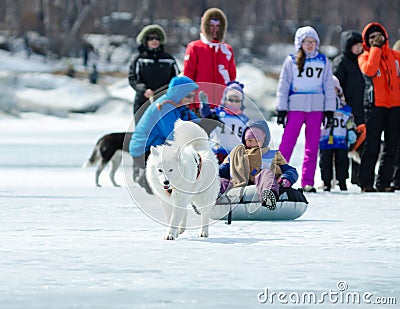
(381, 68)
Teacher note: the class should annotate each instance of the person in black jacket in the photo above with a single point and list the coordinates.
(396, 175)
(345, 68)
(151, 70)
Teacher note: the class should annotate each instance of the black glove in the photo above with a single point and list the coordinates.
(378, 41)
(328, 118)
(281, 118)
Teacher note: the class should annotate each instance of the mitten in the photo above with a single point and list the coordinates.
(329, 118)
(284, 182)
(351, 137)
(205, 110)
(378, 41)
(281, 118)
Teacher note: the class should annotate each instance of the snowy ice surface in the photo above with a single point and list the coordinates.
(68, 244)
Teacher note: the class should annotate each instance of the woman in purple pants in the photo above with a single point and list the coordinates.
(305, 95)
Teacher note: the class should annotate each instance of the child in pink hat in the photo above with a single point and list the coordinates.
(253, 162)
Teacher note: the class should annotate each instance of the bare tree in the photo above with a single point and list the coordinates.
(72, 35)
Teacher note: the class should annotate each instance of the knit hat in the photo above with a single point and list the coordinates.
(260, 125)
(256, 133)
(303, 33)
(336, 83)
(179, 87)
(236, 86)
(150, 29)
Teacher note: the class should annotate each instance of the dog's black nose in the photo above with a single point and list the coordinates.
(166, 182)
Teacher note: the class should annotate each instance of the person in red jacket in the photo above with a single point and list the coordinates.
(381, 68)
(210, 61)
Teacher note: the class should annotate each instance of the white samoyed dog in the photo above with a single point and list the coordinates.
(184, 175)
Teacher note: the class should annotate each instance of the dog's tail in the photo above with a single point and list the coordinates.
(187, 132)
(93, 158)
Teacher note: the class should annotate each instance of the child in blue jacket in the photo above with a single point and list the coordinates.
(335, 141)
(156, 125)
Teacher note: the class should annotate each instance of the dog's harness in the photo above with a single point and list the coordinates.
(199, 163)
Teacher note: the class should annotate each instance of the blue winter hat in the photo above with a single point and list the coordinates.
(179, 80)
(179, 87)
(260, 124)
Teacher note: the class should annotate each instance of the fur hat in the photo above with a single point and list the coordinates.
(151, 29)
(396, 45)
(303, 33)
(214, 13)
(234, 85)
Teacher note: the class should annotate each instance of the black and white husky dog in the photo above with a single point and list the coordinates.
(108, 148)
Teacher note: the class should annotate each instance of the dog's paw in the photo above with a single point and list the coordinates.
(181, 230)
(203, 234)
(169, 237)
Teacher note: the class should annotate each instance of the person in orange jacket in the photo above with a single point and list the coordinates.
(381, 68)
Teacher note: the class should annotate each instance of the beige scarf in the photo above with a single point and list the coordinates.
(245, 164)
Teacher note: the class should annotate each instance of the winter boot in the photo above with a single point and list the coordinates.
(368, 189)
(342, 185)
(327, 186)
(395, 186)
(385, 189)
(269, 199)
(308, 188)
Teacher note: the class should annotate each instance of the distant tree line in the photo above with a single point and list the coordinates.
(253, 24)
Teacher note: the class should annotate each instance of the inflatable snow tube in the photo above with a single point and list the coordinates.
(244, 204)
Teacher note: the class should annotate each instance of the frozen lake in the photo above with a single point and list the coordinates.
(68, 244)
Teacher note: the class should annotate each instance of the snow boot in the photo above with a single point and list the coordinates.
(308, 188)
(342, 185)
(269, 199)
